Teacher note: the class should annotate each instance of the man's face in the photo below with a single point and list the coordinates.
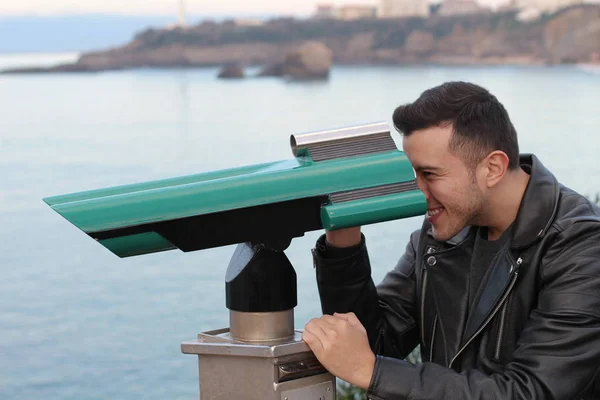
(454, 199)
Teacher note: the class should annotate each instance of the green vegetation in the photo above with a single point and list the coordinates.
(346, 391)
(388, 33)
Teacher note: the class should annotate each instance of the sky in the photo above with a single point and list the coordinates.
(165, 7)
(162, 6)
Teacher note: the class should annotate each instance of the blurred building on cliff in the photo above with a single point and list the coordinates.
(461, 7)
(249, 22)
(403, 8)
(350, 12)
(527, 9)
(325, 11)
(545, 6)
(530, 10)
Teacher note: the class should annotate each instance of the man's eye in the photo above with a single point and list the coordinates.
(427, 174)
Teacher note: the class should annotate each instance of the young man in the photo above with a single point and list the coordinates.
(500, 286)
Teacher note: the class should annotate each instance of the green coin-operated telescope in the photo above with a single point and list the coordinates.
(338, 178)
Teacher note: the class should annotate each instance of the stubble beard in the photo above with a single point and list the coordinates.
(460, 216)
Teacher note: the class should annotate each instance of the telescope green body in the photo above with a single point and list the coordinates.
(340, 178)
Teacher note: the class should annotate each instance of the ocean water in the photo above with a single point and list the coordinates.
(77, 322)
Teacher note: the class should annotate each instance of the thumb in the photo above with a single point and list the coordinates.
(350, 317)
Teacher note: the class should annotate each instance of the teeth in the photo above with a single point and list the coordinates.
(431, 213)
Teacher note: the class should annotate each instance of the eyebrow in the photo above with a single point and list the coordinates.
(427, 167)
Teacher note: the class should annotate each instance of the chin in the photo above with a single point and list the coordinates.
(444, 236)
(439, 236)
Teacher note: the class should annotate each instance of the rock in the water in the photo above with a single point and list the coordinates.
(272, 70)
(312, 60)
(231, 72)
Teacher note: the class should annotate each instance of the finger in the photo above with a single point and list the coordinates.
(343, 316)
(328, 326)
(313, 342)
(350, 317)
(314, 326)
(339, 325)
(331, 320)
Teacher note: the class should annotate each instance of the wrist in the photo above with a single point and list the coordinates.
(344, 237)
(364, 373)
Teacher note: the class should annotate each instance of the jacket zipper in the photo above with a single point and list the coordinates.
(432, 339)
(504, 297)
(423, 291)
(500, 331)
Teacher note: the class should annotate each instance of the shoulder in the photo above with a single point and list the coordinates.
(573, 240)
(575, 212)
(570, 267)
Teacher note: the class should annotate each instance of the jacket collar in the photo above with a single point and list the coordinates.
(539, 204)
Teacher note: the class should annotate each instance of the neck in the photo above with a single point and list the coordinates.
(505, 202)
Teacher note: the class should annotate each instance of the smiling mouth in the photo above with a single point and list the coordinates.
(433, 214)
(434, 211)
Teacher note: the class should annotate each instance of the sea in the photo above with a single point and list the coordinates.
(77, 322)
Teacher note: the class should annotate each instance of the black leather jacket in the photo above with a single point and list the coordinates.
(533, 333)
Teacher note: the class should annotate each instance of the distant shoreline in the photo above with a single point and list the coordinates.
(588, 67)
(55, 59)
(566, 37)
(42, 59)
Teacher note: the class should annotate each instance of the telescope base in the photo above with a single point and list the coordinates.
(283, 370)
(261, 326)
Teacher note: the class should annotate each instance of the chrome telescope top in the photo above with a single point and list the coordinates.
(343, 142)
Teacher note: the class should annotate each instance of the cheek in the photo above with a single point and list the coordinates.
(448, 194)
(439, 190)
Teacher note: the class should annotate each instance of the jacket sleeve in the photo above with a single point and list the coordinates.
(387, 311)
(558, 353)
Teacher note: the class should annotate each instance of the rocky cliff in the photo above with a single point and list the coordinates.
(569, 36)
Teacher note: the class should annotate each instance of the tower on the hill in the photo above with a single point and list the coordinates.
(182, 23)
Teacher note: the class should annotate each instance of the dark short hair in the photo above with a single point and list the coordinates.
(480, 122)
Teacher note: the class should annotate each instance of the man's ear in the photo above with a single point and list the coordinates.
(495, 167)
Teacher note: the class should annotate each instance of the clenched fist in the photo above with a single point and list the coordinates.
(341, 344)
